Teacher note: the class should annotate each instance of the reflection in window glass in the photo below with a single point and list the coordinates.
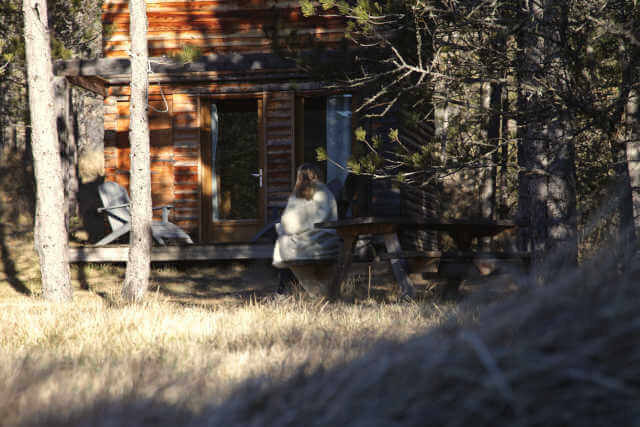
(338, 136)
(327, 124)
(315, 131)
(236, 159)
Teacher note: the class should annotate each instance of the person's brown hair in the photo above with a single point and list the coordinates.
(306, 180)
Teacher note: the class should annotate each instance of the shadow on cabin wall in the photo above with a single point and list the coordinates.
(461, 195)
(88, 124)
(88, 204)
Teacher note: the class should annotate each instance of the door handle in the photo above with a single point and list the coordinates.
(259, 176)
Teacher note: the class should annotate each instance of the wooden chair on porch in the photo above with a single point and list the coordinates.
(116, 206)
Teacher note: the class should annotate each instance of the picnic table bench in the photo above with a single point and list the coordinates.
(452, 264)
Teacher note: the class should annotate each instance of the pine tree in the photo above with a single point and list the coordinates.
(139, 263)
(50, 232)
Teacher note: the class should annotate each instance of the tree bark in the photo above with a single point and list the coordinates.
(492, 105)
(493, 109)
(621, 167)
(632, 121)
(505, 136)
(545, 151)
(139, 262)
(441, 122)
(50, 234)
(624, 143)
(624, 134)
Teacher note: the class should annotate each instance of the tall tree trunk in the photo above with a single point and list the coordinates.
(50, 231)
(623, 143)
(493, 109)
(139, 263)
(491, 97)
(441, 121)
(632, 121)
(624, 196)
(529, 59)
(491, 105)
(545, 152)
(625, 137)
(505, 137)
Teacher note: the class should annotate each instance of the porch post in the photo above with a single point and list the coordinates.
(68, 145)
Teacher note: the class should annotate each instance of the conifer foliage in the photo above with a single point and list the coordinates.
(540, 93)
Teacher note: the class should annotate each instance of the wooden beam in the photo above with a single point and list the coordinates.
(229, 62)
(68, 144)
(90, 83)
(173, 253)
(219, 89)
(214, 76)
(105, 67)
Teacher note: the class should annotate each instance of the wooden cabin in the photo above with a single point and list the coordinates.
(230, 126)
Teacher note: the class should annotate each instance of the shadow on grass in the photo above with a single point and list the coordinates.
(17, 186)
(141, 412)
(82, 277)
(574, 339)
(213, 290)
(9, 267)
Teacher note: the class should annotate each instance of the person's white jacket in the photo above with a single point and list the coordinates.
(297, 236)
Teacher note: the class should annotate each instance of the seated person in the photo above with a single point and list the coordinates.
(311, 202)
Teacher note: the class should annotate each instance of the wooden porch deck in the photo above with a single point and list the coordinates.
(120, 253)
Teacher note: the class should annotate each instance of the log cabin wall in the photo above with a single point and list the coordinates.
(389, 198)
(238, 42)
(280, 118)
(213, 27)
(174, 136)
(175, 148)
(175, 153)
(186, 155)
(217, 26)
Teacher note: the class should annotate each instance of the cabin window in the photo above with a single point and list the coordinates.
(324, 122)
(236, 158)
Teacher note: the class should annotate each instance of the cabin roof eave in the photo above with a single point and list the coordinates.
(107, 67)
(102, 72)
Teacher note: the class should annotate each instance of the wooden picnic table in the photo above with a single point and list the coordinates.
(462, 232)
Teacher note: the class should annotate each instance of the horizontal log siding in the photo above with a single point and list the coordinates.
(176, 151)
(110, 138)
(279, 144)
(186, 153)
(419, 202)
(174, 154)
(218, 26)
(393, 199)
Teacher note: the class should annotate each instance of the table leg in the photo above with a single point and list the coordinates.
(453, 270)
(455, 266)
(392, 244)
(342, 266)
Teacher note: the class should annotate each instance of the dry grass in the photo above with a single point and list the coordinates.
(58, 361)
(561, 355)
(214, 345)
(206, 331)
(565, 354)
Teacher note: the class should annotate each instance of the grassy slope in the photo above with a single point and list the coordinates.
(206, 331)
(57, 361)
